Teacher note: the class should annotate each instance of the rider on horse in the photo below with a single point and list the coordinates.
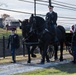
(51, 18)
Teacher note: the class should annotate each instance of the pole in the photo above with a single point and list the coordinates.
(3, 46)
(23, 48)
(49, 2)
(35, 7)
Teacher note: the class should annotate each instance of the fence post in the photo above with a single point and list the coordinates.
(3, 46)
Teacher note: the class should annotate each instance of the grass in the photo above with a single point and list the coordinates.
(8, 59)
(68, 31)
(67, 69)
(64, 69)
(4, 32)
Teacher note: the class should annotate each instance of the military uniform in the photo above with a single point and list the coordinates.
(51, 18)
(12, 42)
(74, 47)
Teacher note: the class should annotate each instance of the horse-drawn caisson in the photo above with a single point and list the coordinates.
(35, 34)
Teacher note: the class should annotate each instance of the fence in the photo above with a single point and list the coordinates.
(6, 52)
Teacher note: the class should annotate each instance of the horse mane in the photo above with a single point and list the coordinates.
(25, 21)
(39, 23)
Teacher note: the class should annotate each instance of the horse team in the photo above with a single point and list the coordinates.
(35, 34)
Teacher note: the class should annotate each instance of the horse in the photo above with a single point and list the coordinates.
(29, 37)
(47, 38)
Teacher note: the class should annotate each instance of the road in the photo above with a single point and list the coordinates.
(22, 66)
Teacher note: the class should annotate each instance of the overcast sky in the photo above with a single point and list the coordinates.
(41, 9)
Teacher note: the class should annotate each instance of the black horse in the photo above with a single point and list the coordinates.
(29, 37)
(47, 38)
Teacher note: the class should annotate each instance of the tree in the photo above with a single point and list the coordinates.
(5, 16)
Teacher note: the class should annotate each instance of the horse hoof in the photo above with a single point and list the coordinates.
(56, 59)
(41, 62)
(28, 61)
(33, 55)
(48, 61)
(61, 59)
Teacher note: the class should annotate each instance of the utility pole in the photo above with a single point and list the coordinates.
(49, 2)
(35, 7)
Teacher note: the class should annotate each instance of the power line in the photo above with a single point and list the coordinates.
(37, 14)
(71, 8)
(59, 17)
(64, 3)
(56, 5)
(32, 13)
(61, 3)
(15, 11)
(67, 17)
(66, 23)
(57, 2)
(33, 2)
(68, 20)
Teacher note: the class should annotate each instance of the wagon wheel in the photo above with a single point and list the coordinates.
(50, 51)
(69, 48)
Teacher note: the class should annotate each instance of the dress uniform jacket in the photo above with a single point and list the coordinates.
(13, 40)
(51, 18)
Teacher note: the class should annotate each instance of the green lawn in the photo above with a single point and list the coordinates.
(4, 32)
(64, 69)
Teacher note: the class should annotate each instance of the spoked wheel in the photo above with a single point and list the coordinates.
(50, 51)
(69, 48)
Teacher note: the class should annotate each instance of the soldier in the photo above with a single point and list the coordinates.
(74, 45)
(13, 42)
(51, 18)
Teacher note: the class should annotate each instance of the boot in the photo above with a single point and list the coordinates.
(33, 55)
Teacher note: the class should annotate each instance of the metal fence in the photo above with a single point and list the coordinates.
(6, 52)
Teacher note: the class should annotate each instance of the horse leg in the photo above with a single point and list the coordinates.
(61, 52)
(56, 50)
(28, 51)
(32, 51)
(41, 49)
(41, 52)
(47, 58)
(44, 53)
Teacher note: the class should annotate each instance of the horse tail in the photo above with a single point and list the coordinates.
(62, 29)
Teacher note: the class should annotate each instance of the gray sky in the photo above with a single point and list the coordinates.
(29, 7)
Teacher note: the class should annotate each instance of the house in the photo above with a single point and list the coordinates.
(10, 21)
